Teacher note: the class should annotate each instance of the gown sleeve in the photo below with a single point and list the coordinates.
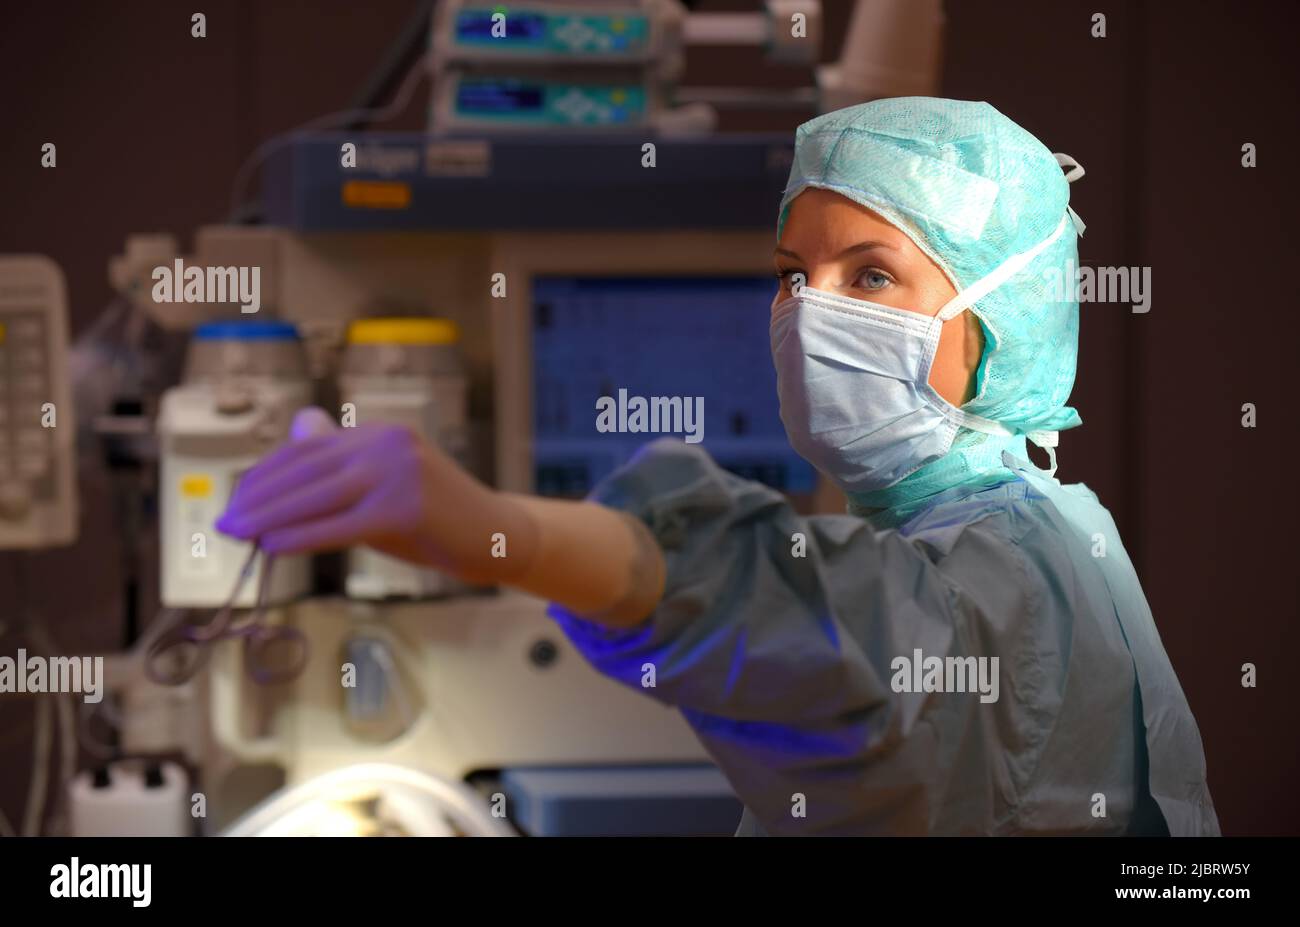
(777, 637)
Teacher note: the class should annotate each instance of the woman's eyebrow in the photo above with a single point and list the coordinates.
(852, 249)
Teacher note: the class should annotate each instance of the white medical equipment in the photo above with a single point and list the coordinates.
(467, 684)
(540, 65)
(893, 48)
(131, 799)
(243, 382)
(403, 371)
(609, 65)
(455, 687)
(38, 489)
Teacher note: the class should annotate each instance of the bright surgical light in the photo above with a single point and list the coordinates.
(372, 798)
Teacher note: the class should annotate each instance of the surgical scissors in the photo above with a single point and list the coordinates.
(272, 653)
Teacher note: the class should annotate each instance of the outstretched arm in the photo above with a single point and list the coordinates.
(384, 487)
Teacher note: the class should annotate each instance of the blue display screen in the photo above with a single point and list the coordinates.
(476, 26)
(499, 96)
(693, 351)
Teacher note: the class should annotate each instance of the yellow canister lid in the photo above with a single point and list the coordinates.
(403, 331)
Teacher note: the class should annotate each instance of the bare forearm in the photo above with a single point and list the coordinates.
(597, 562)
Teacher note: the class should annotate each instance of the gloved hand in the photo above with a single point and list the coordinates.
(378, 485)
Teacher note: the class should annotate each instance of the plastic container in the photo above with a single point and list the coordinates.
(404, 371)
(243, 382)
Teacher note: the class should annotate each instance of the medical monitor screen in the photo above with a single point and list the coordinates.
(622, 361)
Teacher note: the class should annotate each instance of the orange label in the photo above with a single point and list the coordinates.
(376, 194)
(196, 485)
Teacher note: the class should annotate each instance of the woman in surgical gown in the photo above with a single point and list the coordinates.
(968, 649)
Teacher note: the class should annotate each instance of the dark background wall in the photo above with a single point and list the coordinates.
(152, 125)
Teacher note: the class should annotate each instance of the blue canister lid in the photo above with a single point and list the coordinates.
(250, 330)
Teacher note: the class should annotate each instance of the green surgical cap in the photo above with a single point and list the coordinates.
(970, 188)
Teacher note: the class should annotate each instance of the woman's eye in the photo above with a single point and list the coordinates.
(791, 278)
(873, 280)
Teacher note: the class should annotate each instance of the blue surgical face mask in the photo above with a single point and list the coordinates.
(853, 378)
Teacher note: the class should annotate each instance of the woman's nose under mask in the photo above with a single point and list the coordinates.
(852, 377)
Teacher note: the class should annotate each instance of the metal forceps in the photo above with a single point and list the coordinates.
(272, 653)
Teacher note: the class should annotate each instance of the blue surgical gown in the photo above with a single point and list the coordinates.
(782, 663)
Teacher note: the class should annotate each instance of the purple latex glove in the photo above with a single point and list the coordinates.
(332, 487)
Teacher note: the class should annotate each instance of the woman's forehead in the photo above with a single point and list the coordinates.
(823, 220)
